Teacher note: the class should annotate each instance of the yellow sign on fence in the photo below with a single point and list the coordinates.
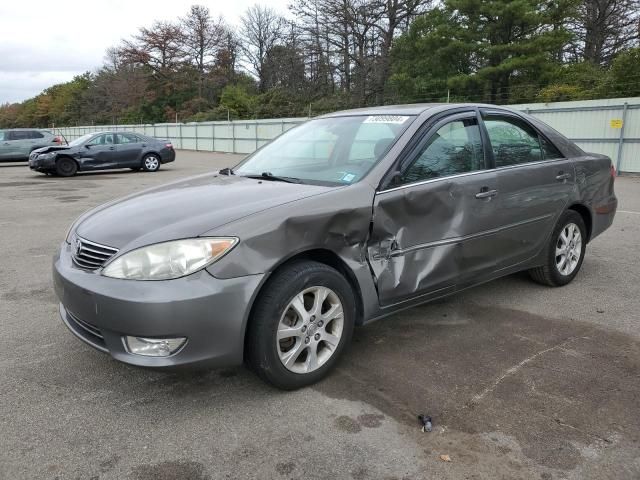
(616, 123)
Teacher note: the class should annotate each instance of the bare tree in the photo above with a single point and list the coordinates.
(160, 48)
(202, 38)
(394, 16)
(261, 30)
(603, 28)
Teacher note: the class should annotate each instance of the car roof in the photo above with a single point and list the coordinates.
(408, 109)
(24, 130)
(102, 132)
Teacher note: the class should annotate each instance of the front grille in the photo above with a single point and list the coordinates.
(91, 255)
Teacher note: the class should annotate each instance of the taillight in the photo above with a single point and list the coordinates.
(57, 140)
(613, 171)
(168, 145)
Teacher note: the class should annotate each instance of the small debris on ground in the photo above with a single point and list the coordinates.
(427, 425)
(599, 310)
(445, 458)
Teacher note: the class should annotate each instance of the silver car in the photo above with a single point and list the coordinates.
(18, 143)
(340, 221)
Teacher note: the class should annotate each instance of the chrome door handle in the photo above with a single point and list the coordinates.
(563, 176)
(486, 194)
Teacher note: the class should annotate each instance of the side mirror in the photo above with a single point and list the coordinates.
(87, 146)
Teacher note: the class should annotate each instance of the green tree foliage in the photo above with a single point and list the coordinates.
(340, 54)
(487, 50)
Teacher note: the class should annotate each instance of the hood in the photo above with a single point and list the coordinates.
(187, 208)
(51, 148)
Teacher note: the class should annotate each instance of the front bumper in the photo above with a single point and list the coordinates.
(41, 165)
(212, 313)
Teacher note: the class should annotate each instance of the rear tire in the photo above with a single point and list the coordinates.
(151, 163)
(565, 252)
(301, 323)
(66, 167)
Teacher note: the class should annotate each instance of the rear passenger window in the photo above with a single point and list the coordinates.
(515, 142)
(19, 135)
(455, 148)
(127, 138)
(34, 134)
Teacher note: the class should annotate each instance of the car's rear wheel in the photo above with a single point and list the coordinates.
(565, 251)
(301, 324)
(151, 163)
(66, 167)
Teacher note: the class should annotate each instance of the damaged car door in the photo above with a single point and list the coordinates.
(433, 223)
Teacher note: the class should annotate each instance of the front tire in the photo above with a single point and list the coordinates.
(151, 163)
(66, 167)
(565, 252)
(301, 324)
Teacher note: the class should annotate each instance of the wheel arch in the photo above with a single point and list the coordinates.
(320, 255)
(151, 152)
(585, 213)
(60, 157)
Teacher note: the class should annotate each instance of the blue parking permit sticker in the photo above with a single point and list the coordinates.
(348, 177)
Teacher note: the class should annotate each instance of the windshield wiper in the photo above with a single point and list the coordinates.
(274, 178)
(227, 171)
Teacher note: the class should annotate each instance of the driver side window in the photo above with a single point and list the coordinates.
(454, 148)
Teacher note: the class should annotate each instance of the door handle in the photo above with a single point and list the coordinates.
(112, 148)
(486, 193)
(563, 176)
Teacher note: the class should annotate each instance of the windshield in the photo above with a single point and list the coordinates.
(334, 151)
(81, 140)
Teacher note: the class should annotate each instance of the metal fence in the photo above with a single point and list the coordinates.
(243, 136)
(611, 127)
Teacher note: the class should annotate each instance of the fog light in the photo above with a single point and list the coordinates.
(154, 347)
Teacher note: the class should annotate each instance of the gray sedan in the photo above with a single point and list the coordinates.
(340, 221)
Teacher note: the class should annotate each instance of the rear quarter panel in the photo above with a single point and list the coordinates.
(595, 185)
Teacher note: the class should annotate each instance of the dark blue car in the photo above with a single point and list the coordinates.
(102, 151)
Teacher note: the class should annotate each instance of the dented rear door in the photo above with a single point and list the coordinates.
(434, 228)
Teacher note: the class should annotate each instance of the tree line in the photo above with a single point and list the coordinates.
(335, 54)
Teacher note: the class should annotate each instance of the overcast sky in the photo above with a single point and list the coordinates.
(47, 42)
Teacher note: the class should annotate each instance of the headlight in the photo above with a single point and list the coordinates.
(164, 261)
(46, 156)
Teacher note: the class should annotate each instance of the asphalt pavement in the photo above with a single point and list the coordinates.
(522, 381)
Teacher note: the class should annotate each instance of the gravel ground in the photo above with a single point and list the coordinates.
(522, 381)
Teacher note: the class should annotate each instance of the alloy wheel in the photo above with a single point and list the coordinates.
(310, 329)
(568, 249)
(151, 163)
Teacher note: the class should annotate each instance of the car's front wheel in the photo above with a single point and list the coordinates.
(66, 167)
(565, 251)
(151, 163)
(301, 324)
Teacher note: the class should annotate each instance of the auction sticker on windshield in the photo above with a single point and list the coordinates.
(397, 119)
